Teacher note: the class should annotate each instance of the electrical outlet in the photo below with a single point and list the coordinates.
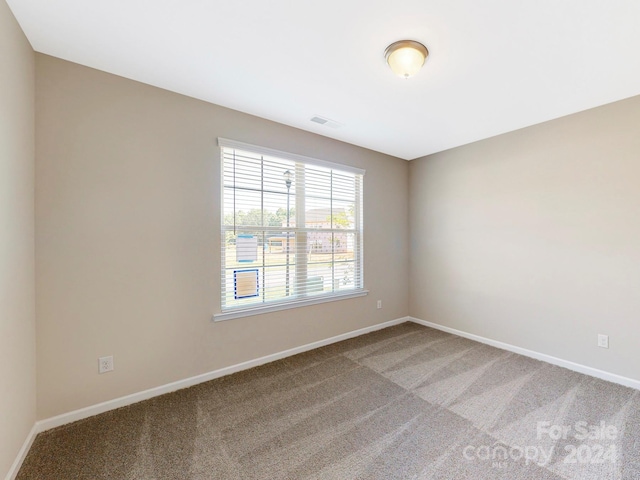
(603, 341)
(105, 364)
(379, 303)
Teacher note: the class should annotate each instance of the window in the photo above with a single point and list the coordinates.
(291, 230)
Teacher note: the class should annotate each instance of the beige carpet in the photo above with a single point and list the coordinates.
(407, 402)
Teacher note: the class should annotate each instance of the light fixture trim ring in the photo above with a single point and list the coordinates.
(402, 68)
(406, 44)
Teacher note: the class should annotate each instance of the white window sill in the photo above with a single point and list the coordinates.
(247, 312)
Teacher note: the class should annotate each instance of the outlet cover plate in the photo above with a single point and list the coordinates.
(603, 341)
(105, 364)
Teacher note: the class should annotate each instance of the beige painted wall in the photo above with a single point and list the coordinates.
(17, 303)
(533, 237)
(127, 242)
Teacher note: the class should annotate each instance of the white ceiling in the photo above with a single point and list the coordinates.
(495, 65)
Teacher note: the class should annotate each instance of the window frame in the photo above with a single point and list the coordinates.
(298, 301)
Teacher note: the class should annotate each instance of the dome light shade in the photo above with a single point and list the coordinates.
(406, 57)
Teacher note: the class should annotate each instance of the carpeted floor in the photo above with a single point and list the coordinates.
(407, 402)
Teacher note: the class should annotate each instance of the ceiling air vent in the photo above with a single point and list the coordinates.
(326, 122)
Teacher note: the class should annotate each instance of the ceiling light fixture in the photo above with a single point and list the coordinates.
(406, 57)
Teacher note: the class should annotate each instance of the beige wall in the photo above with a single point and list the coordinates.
(127, 241)
(533, 237)
(17, 319)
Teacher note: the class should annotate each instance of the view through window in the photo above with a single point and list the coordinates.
(291, 227)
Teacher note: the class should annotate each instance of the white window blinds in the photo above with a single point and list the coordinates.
(291, 227)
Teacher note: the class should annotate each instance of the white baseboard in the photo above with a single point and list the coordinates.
(576, 367)
(90, 411)
(17, 463)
